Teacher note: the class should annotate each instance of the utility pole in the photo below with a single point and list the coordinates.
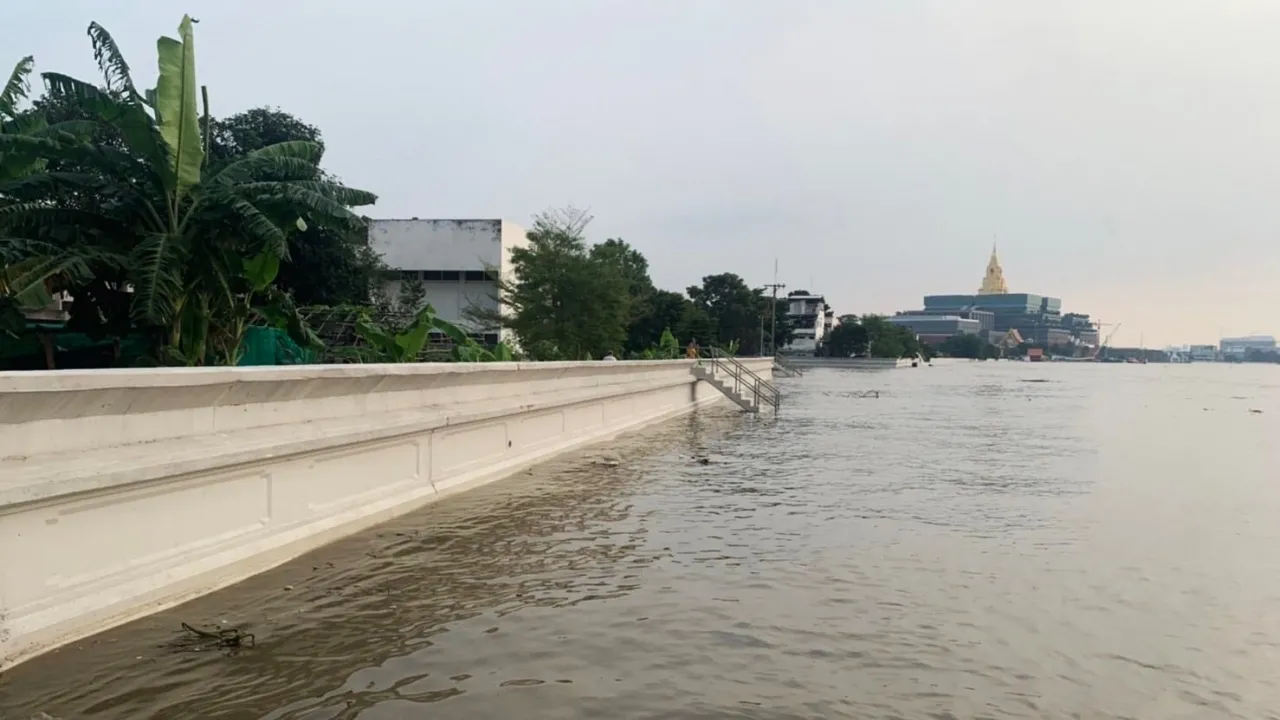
(773, 311)
(773, 317)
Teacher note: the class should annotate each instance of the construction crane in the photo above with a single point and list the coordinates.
(1103, 345)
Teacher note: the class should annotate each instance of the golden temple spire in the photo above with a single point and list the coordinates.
(993, 283)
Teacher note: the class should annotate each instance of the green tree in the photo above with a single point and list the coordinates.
(642, 326)
(695, 325)
(566, 303)
(192, 243)
(240, 134)
(326, 265)
(963, 345)
(888, 340)
(412, 296)
(663, 311)
(732, 307)
(848, 339)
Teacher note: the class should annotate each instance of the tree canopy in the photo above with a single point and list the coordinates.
(325, 265)
(127, 208)
(873, 336)
(965, 345)
(180, 230)
(572, 299)
(568, 302)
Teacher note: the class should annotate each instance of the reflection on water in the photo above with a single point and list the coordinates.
(1099, 543)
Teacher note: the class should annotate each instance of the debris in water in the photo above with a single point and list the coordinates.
(855, 394)
(228, 638)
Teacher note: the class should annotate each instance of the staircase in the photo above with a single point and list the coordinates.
(785, 369)
(737, 381)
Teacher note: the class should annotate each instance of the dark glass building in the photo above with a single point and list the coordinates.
(1037, 318)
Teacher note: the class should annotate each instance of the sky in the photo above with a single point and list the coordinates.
(1124, 154)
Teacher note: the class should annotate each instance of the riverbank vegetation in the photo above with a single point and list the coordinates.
(188, 239)
(573, 300)
(873, 336)
(162, 235)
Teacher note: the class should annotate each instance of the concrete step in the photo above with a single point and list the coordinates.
(725, 386)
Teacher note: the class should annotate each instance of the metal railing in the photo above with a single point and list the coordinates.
(788, 370)
(745, 381)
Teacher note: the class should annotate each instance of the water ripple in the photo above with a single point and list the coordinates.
(982, 540)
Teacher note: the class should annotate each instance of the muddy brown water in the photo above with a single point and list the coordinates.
(984, 540)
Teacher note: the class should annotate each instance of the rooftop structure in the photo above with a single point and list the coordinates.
(993, 282)
(455, 261)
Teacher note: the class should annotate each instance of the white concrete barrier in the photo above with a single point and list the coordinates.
(807, 361)
(126, 491)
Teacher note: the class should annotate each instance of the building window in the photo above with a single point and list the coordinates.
(475, 276)
(441, 275)
(409, 275)
(491, 339)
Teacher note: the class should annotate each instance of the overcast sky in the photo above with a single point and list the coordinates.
(1124, 153)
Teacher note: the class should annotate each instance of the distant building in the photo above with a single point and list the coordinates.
(810, 321)
(986, 320)
(1036, 319)
(933, 329)
(1236, 348)
(1202, 353)
(1082, 328)
(456, 261)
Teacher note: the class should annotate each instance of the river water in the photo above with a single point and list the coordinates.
(983, 540)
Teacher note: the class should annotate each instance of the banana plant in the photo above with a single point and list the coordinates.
(407, 345)
(187, 229)
(668, 347)
(474, 352)
(397, 347)
(25, 135)
(466, 349)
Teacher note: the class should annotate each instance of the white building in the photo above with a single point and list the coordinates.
(1240, 346)
(454, 259)
(1202, 353)
(808, 314)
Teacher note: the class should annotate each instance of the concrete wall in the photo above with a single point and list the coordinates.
(804, 362)
(126, 491)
